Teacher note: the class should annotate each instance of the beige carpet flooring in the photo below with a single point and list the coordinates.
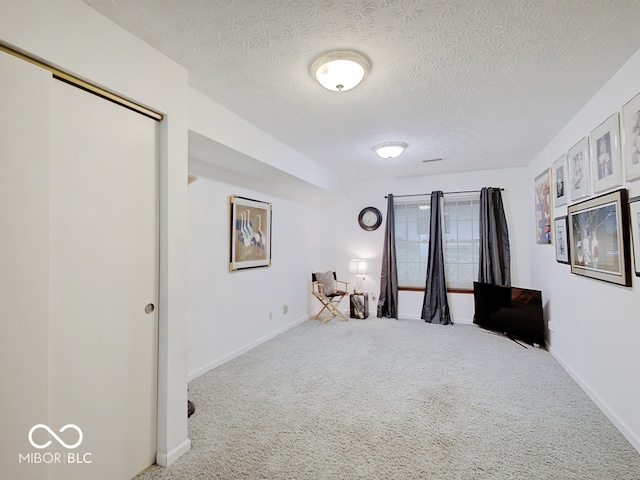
(396, 399)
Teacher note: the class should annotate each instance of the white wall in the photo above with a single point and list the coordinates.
(75, 38)
(344, 239)
(229, 311)
(596, 324)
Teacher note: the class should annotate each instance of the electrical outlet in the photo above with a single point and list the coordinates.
(373, 297)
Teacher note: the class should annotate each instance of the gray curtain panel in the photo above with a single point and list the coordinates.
(435, 308)
(388, 298)
(495, 256)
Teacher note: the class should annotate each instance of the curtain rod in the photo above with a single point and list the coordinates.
(444, 193)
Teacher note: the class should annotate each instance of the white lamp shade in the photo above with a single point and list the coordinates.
(358, 266)
(341, 70)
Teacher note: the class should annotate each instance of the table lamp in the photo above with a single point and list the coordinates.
(359, 267)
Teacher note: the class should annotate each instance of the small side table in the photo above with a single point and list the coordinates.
(359, 305)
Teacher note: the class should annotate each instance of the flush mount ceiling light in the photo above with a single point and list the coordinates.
(340, 70)
(390, 150)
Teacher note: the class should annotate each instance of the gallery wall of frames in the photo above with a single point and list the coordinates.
(599, 237)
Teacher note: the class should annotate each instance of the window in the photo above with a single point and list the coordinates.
(412, 240)
(461, 239)
(461, 227)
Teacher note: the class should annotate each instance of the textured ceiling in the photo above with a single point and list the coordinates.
(480, 83)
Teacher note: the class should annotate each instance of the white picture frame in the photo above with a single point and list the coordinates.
(630, 131)
(560, 177)
(579, 170)
(604, 149)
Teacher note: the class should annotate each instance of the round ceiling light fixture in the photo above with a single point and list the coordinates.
(340, 70)
(390, 150)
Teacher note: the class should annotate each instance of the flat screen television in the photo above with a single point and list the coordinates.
(513, 311)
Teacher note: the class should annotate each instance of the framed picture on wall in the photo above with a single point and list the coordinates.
(604, 145)
(250, 228)
(561, 235)
(543, 207)
(599, 238)
(631, 138)
(560, 176)
(579, 170)
(634, 211)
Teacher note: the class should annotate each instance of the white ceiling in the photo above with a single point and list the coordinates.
(480, 83)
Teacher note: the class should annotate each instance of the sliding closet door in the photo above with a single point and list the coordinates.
(24, 260)
(104, 284)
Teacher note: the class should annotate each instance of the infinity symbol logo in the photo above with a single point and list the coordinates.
(60, 441)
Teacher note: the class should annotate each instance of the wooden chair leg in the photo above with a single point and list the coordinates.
(321, 310)
(331, 305)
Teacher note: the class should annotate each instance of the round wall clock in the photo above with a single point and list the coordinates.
(370, 218)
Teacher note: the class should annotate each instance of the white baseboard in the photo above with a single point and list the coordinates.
(463, 321)
(236, 353)
(166, 459)
(602, 405)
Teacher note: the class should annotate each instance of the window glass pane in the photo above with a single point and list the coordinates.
(465, 230)
(465, 252)
(465, 211)
(451, 253)
(415, 274)
(466, 272)
(451, 273)
(401, 269)
(460, 236)
(412, 232)
(413, 252)
(450, 230)
(411, 210)
(401, 254)
(400, 213)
